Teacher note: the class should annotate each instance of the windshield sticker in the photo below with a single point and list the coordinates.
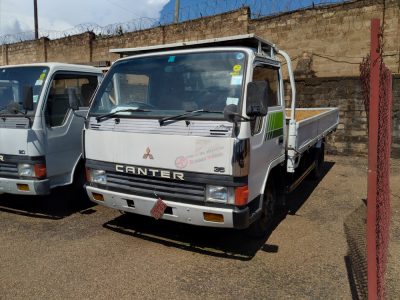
(42, 76)
(236, 80)
(235, 70)
(35, 98)
(39, 82)
(171, 59)
(231, 100)
(239, 56)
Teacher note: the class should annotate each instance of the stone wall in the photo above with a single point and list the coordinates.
(345, 92)
(326, 44)
(334, 37)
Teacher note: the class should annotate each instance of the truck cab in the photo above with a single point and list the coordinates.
(195, 132)
(40, 135)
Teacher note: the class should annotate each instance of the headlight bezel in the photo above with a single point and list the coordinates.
(227, 194)
(23, 168)
(97, 176)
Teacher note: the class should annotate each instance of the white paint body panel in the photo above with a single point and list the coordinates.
(201, 154)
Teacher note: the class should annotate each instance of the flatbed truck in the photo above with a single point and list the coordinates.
(198, 132)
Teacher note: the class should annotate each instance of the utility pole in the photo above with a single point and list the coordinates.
(36, 19)
(176, 18)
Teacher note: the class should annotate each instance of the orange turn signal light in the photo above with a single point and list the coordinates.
(23, 187)
(241, 195)
(98, 197)
(213, 217)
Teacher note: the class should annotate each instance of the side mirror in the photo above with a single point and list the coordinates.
(73, 99)
(27, 95)
(257, 98)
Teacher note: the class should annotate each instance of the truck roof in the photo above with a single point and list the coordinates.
(55, 66)
(260, 45)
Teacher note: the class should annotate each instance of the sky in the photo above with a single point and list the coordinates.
(16, 16)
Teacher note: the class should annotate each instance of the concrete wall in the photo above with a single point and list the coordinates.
(326, 44)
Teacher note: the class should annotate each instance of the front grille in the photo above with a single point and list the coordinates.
(8, 169)
(167, 189)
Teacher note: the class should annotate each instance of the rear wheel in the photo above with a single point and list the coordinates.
(260, 227)
(319, 162)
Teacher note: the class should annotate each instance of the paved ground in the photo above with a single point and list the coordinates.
(55, 247)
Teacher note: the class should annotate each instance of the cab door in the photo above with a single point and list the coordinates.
(267, 133)
(63, 126)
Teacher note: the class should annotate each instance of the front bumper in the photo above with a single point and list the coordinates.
(36, 187)
(181, 212)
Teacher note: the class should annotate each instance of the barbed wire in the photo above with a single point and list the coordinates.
(100, 31)
(258, 9)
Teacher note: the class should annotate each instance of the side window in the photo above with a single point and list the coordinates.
(271, 76)
(81, 86)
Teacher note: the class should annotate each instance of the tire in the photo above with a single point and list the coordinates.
(319, 163)
(79, 181)
(260, 227)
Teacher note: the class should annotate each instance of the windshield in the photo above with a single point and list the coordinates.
(13, 85)
(162, 86)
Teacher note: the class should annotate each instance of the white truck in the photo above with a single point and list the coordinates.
(40, 135)
(198, 133)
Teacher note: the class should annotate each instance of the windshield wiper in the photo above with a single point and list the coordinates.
(109, 115)
(5, 110)
(185, 115)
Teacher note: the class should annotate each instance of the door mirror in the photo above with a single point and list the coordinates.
(257, 98)
(73, 99)
(27, 96)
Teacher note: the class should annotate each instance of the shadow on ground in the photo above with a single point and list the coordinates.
(356, 259)
(61, 203)
(226, 243)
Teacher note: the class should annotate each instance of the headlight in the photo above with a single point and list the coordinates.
(221, 194)
(26, 170)
(36, 170)
(97, 176)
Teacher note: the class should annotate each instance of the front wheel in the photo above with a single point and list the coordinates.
(260, 227)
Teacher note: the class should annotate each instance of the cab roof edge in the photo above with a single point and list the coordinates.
(261, 45)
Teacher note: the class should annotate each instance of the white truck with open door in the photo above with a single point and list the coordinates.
(40, 135)
(198, 133)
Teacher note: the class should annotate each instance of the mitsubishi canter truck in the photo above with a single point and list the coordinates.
(198, 133)
(40, 135)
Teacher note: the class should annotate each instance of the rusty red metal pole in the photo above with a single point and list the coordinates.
(373, 160)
